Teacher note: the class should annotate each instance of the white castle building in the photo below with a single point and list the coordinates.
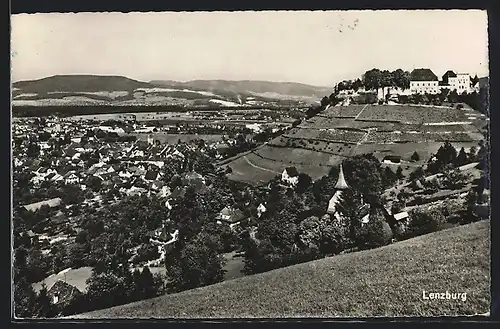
(425, 81)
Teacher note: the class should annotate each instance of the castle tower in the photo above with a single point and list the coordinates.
(341, 183)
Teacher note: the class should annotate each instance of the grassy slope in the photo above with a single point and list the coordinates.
(387, 281)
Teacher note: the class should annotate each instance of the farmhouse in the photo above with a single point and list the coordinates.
(71, 177)
(290, 175)
(230, 215)
(260, 210)
(193, 178)
(62, 293)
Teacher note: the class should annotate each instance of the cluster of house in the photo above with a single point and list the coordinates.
(117, 164)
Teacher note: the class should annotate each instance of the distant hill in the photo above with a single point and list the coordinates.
(79, 83)
(254, 86)
(387, 281)
(81, 90)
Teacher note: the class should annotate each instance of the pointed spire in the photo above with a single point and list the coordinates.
(341, 183)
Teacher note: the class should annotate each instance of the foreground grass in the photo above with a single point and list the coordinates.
(387, 281)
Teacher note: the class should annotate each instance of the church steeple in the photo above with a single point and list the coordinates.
(341, 183)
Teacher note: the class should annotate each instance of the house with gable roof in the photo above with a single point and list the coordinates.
(290, 175)
(424, 81)
(62, 294)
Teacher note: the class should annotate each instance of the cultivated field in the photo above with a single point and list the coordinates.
(261, 166)
(350, 111)
(387, 281)
(173, 138)
(298, 156)
(75, 277)
(412, 114)
(357, 129)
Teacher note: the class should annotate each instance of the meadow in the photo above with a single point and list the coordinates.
(173, 138)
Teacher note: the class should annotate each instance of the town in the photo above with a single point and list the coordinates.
(359, 194)
(81, 182)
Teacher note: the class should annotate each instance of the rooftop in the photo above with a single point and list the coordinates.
(423, 75)
(37, 205)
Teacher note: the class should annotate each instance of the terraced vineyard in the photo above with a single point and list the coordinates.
(339, 132)
(417, 136)
(412, 114)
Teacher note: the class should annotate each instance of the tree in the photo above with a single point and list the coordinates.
(334, 236)
(443, 94)
(146, 284)
(349, 209)
(389, 177)
(423, 222)
(472, 154)
(471, 201)
(445, 157)
(401, 79)
(197, 264)
(455, 178)
(24, 298)
(33, 150)
(94, 183)
(321, 236)
(364, 174)
(399, 173)
(415, 156)
(325, 101)
(378, 231)
(386, 79)
(417, 174)
(372, 79)
(189, 214)
(303, 183)
(462, 157)
(105, 290)
(310, 234)
(44, 306)
(397, 207)
(453, 96)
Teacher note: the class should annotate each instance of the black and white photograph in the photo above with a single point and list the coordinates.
(250, 165)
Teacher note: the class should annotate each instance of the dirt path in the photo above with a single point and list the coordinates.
(361, 141)
(364, 107)
(258, 167)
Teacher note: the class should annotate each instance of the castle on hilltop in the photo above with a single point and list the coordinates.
(425, 81)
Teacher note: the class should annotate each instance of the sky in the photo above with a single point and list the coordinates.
(312, 47)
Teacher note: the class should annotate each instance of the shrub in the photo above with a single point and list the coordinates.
(146, 252)
(378, 233)
(399, 172)
(415, 156)
(401, 230)
(423, 222)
